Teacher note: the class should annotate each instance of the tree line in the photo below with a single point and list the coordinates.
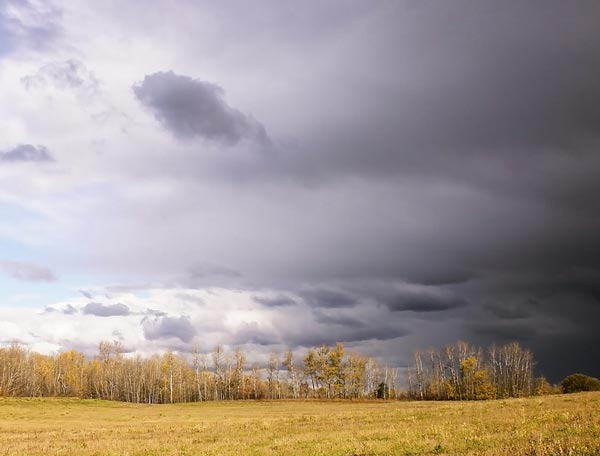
(456, 372)
(466, 372)
(324, 372)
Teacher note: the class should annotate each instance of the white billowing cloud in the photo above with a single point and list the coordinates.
(165, 327)
(12, 332)
(184, 319)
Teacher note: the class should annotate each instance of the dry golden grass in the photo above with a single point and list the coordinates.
(553, 425)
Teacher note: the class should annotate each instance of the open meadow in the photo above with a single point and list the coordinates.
(550, 425)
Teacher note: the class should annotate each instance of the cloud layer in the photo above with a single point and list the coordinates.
(393, 175)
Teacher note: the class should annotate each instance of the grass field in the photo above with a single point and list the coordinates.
(552, 425)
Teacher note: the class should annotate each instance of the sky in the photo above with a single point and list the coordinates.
(277, 175)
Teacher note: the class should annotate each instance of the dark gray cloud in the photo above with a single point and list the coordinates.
(336, 318)
(487, 85)
(564, 354)
(509, 311)
(105, 310)
(331, 334)
(422, 300)
(554, 313)
(27, 271)
(474, 94)
(447, 277)
(328, 298)
(275, 301)
(169, 327)
(26, 153)
(193, 108)
(503, 332)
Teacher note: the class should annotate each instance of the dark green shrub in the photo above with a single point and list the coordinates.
(575, 383)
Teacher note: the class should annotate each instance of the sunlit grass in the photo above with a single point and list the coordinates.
(551, 425)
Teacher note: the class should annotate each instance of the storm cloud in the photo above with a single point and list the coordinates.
(193, 108)
(275, 301)
(328, 298)
(338, 319)
(336, 333)
(422, 300)
(432, 174)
